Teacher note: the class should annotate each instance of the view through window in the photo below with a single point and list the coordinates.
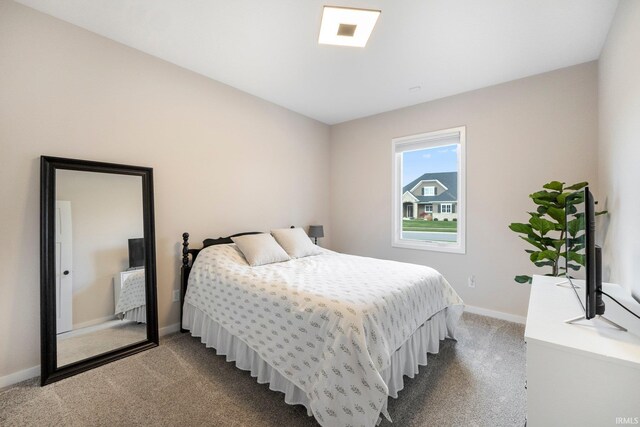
(429, 191)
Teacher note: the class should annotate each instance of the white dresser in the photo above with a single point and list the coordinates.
(585, 374)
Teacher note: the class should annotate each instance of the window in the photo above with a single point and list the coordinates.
(429, 165)
(428, 191)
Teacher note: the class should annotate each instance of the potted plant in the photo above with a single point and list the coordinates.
(546, 230)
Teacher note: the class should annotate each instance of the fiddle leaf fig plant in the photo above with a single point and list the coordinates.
(547, 228)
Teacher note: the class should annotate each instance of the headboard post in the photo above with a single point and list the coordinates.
(185, 249)
(184, 274)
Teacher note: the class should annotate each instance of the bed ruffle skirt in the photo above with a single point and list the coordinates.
(405, 361)
(138, 314)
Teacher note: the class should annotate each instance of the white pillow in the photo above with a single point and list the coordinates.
(260, 249)
(295, 242)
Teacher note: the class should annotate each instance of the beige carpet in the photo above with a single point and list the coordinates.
(477, 381)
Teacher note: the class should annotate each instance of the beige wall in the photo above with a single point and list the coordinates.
(519, 136)
(106, 211)
(223, 161)
(619, 146)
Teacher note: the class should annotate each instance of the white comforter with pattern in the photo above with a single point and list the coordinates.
(329, 323)
(132, 294)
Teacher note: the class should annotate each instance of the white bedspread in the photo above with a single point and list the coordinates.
(329, 323)
(132, 294)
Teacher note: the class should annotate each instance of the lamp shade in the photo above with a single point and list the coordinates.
(316, 231)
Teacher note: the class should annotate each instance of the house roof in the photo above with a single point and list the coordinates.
(448, 179)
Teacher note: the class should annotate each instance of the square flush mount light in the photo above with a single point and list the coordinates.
(347, 27)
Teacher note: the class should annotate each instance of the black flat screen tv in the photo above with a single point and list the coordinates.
(583, 256)
(136, 253)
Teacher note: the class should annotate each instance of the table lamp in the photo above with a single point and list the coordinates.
(316, 231)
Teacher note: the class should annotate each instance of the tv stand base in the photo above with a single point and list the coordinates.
(598, 317)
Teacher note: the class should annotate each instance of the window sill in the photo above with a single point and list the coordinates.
(429, 246)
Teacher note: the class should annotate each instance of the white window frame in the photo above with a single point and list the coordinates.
(430, 207)
(421, 142)
(432, 188)
(449, 205)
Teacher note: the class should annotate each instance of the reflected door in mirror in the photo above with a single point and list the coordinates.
(64, 270)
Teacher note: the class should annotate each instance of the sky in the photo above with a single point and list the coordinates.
(436, 159)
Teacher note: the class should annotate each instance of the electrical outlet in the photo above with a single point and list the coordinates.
(176, 295)
(472, 281)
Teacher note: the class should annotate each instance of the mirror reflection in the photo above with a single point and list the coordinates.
(99, 257)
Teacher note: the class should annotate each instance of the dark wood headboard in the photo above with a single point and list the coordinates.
(188, 263)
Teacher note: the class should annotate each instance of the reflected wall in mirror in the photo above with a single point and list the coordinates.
(98, 256)
(97, 311)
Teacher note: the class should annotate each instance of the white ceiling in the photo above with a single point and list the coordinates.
(269, 48)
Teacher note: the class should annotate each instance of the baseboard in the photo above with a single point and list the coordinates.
(496, 314)
(26, 374)
(169, 329)
(16, 377)
(19, 376)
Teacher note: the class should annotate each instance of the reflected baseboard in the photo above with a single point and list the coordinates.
(93, 322)
(109, 323)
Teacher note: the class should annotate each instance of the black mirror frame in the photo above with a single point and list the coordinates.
(50, 372)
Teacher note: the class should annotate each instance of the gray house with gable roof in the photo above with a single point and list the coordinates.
(431, 196)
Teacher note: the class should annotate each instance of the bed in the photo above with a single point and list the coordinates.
(131, 303)
(333, 332)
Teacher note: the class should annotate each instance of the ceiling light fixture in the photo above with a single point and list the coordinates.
(344, 26)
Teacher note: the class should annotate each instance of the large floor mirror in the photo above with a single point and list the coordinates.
(98, 271)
